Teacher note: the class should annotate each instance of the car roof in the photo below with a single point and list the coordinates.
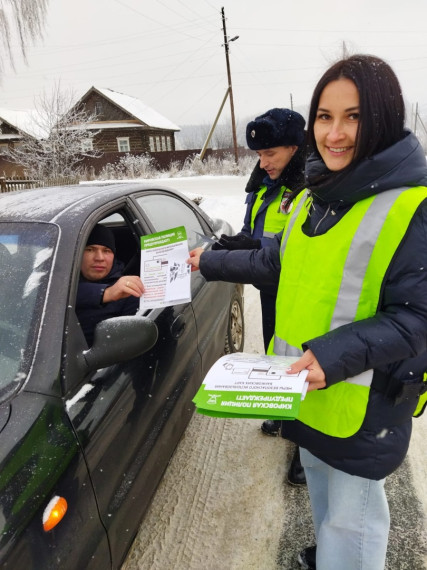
(52, 204)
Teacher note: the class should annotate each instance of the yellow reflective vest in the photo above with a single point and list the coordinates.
(422, 401)
(274, 217)
(332, 279)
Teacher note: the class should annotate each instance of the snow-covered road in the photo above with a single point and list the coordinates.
(224, 503)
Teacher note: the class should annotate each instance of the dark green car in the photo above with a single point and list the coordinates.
(90, 430)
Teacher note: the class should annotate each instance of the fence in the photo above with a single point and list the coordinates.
(163, 160)
(11, 184)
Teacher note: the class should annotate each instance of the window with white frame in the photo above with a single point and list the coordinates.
(152, 145)
(163, 143)
(98, 107)
(123, 144)
(158, 147)
(87, 145)
(168, 143)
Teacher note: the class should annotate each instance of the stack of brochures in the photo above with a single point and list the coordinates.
(244, 385)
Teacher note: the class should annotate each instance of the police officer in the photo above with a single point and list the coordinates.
(277, 137)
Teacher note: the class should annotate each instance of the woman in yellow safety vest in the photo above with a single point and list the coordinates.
(351, 305)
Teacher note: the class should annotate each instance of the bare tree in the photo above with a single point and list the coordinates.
(23, 19)
(59, 139)
(192, 136)
(222, 136)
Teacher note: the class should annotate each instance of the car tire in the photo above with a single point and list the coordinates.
(235, 337)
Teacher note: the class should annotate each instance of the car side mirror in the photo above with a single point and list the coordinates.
(220, 227)
(119, 339)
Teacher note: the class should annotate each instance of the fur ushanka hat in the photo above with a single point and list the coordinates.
(276, 127)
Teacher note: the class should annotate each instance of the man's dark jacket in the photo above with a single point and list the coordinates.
(89, 307)
(393, 342)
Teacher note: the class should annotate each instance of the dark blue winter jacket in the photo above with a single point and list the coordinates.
(89, 307)
(400, 359)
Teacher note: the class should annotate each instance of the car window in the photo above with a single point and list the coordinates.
(115, 219)
(121, 236)
(166, 212)
(26, 252)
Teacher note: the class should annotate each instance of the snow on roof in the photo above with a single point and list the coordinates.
(138, 109)
(27, 121)
(106, 125)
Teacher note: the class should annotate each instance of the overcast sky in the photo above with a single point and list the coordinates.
(170, 54)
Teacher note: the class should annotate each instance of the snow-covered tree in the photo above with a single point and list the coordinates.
(63, 138)
(222, 137)
(192, 136)
(21, 20)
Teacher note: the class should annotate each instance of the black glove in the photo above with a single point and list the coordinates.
(239, 241)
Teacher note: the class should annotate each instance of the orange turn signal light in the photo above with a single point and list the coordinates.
(54, 512)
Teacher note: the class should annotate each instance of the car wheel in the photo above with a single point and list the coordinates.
(235, 336)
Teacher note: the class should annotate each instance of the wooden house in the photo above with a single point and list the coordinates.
(14, 125)
(124, 124)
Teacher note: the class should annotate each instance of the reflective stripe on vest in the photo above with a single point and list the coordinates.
(422, 401)
(346, 267)
(275, 219)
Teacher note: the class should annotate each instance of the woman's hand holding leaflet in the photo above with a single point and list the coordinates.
(316, 377)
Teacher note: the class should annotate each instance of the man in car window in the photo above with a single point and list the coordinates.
(104, 291)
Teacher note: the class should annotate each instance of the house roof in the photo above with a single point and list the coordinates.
(96, 125)
(137, 109)
(27, 121)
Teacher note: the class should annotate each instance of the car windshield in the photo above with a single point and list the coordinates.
(26, 252)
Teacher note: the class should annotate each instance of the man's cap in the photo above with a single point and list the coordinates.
(276, 127)
(100, 235)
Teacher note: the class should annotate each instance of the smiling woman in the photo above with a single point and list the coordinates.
(337, 122)
(378, 111)
(351, 303)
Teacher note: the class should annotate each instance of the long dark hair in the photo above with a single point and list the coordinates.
(382, 110)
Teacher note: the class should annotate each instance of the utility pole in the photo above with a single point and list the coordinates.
(344, 51)
(415, 118)
(208, 138)
(418, 121)
(230, 88)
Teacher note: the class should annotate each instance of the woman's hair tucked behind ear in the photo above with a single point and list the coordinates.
(382, 110)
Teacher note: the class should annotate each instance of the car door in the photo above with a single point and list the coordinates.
(129, 416)
(210, 300)
(40, 459)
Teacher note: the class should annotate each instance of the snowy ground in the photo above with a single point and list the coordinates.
(224, 503)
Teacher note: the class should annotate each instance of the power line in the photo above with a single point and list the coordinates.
(149, 18)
